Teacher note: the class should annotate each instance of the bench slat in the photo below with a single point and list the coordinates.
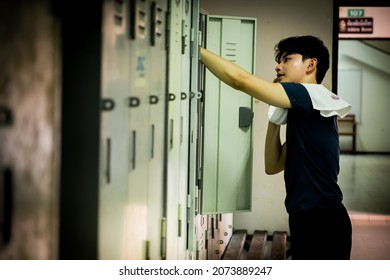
(235, 246)
(257, 246)
(279, 240)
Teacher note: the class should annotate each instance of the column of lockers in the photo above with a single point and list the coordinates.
(197, 223)
(184, 123)
(177, 156)
(132, 129)
(227, 132)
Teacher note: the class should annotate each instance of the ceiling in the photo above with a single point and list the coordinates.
(382, 45)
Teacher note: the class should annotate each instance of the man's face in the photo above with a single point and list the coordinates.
(291, 68)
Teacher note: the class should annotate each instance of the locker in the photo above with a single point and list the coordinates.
(139, 60)
(178, 127)
(197, 223)
(133, 130)
(184, 125)
(113, 190)
(174, 206)
(227, 140)
(157, 126)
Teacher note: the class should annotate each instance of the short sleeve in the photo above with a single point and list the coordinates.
(299, 97)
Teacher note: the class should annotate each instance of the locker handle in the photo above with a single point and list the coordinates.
(108, 160)
(212, 228)
(171, 134)
(245, 117)
(187, 6)
(171, 96)
(133, 150)
(152, 143)
(183, 96)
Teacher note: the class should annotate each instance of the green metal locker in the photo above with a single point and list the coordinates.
(227, 130)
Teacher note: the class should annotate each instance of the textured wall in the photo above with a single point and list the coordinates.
(29, 87)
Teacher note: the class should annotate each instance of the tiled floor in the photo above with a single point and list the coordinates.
(365, 182)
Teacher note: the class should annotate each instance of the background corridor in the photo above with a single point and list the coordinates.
(365, 181)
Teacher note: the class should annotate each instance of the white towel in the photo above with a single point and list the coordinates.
(323, 100)
(277, 115)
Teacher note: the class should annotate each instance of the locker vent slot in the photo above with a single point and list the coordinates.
(231, 51)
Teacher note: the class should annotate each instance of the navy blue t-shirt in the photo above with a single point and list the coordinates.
(312, 159)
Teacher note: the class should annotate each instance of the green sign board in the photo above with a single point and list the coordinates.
(356, 12)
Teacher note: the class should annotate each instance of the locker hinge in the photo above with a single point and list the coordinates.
(163, 246)
(179, 221)
(192, 42)
(192, 35)
(199, 184)
(189, 206)
(197, 95)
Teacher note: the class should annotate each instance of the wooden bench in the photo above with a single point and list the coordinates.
(259, 247)
(351, 121)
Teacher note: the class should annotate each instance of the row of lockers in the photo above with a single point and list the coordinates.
(175, 148)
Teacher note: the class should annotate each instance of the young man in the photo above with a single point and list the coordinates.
(320, 227)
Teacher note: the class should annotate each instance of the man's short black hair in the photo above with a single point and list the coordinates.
(309, 47)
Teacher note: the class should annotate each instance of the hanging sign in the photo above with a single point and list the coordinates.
(356, 25)
(365, 22)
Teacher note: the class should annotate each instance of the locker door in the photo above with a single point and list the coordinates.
(173, 211)
(114, 163)
(227, 140)
(184, 124)
(157, 121)
(138, 99)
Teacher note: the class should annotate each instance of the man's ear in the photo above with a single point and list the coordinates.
(312, 64)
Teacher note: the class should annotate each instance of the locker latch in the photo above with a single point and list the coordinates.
(245, 117)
